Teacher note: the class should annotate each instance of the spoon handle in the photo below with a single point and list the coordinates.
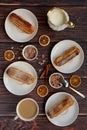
(83, 96)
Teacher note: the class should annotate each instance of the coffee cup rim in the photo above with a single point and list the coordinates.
(22, 118)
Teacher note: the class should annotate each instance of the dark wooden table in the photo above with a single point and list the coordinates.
(77, 10)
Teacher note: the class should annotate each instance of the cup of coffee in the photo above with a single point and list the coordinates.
(58, 19)
(27, 109)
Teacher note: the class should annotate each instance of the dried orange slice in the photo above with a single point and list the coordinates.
(75, 81)
(42, 90)
(44, 40)
(9, 55)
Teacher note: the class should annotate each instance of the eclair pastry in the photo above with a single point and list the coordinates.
(60, 107)
(21, 23)
(67, 56)
(20, 75)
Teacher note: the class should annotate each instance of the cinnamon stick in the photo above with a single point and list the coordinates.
(44, 74)
(47, 69)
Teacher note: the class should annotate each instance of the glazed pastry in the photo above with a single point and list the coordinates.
(20, 75)
(60, 107)
(21, 23)
(67, 56)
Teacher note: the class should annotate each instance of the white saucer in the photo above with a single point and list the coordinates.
(74, 64)
(68, 116)
(16, 34)
(16, 87)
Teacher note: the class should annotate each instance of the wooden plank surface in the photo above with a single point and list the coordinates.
(41, 123)
(77, 10)
(45, 3)
(77, 15)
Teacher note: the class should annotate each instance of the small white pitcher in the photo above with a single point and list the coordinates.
(58, 19)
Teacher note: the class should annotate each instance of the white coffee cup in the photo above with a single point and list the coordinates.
(58, 19)
(27, 109)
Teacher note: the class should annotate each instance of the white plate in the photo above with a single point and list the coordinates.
(16, 87)
(74, 64)
(16, 34)
(68, 116)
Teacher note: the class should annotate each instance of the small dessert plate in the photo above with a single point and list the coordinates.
(74, 64)
(68, 116)
(16, 34)
(18, 88)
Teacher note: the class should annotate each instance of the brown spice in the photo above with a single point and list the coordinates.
(43, 56)
(30, 52)
(19, 58)
(54, 80)
(40, 63)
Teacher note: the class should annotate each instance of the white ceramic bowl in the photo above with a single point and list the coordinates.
(56, 87)
(26, 47)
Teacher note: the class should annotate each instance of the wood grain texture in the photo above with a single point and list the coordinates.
(77, 10)
(10, 124)
(77, 15)
(45, 3)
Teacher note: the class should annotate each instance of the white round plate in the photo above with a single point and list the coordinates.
(68, 116)
(74, 64)
(16, 34)
(16, 87)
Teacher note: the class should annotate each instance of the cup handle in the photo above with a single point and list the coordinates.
(70, 24)
(16, 117)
